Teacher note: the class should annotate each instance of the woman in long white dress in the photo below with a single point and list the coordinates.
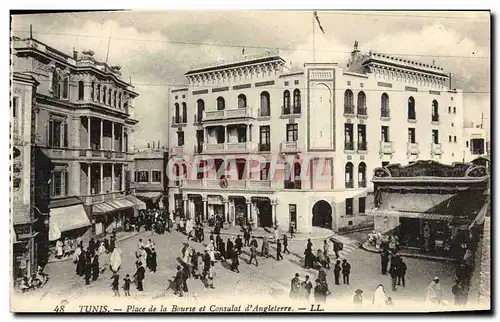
(211, 251)
(115, 260)
(186, 255)
(380, 297)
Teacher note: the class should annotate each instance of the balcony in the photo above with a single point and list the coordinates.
(436, 149)
(349, 184)
(198, 148)
(412, 118)
(386, 147)
(412, 148)
(362, 146)
(349, 146)
(349, 110)
(362, 183)
(178, 121)
(231, 184)
(292, 185)
(229, 114)
(96, 198)
(362, 112)
(289, 146)
(385, 114)
(177, 150)
(198, 118)
(290, 112)
(230, 147)
(264, 147)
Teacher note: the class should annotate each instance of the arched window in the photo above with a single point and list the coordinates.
(184, 171)
(265, 104)
(348, 175)
(287, 176)
(362, 103)
(65, 89)
(296, 101)
(286, 102)
(411, 109)
(110, 91)
(80, 90)
(55, 84)
(221, 103)
(242, 101)
(362, 175)
(435, 111)
(104, 92)
(114, 98)
(348, 102)
(184, 112)
(384, 105)
(92, 91)
(120, 100)
(125, 102)
(98, 96)
(177, 118)
(297, 169)
(200, 108)
(177, 174)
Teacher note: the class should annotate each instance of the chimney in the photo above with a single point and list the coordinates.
(75, 53)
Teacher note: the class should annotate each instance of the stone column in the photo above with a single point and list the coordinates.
(88, 132)
(249, 212)
(186, 211)
(89, 169)
(123, 139)
(123, 178)
(101, 137)
(205, 215)
(273, 207)
(112, 177)
(112, 136)
(226, 135)
(226, 210)
(248, 133)
(101, 188)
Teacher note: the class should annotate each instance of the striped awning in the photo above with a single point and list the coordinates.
(154, 196)
(68, 218)
(137, 203)
(407, 214)
(113, 205)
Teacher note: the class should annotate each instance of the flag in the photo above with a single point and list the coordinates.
(319, 22)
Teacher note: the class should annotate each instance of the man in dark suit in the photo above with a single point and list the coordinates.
(179, 282)
(139, 276)
(278, 250)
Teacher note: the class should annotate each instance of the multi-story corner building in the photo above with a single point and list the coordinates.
(84, 133)
(341, 123)
(476, 142)
(26, 221)
(149, 177)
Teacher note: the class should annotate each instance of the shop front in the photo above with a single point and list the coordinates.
(115, 215)
(150, 198)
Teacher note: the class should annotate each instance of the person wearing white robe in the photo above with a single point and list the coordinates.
(211, 251)
(76, 254)
(380, 297)
(276, 234)
(59, 249)
(434, 292)
(101, 249)
(115, 260)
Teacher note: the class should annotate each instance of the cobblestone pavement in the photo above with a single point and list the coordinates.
(269, 280)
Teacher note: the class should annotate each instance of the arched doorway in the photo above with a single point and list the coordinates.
(322, 214)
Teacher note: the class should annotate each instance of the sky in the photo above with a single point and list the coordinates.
(156, 48)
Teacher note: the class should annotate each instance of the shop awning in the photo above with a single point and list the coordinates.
(113, 205)
(406, 214)
(138, 203)
(414, 202)
(154, 196)
(68, 218)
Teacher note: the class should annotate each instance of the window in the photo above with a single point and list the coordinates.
(114, 98)
(449, 109)
(384, 105)
(104, 92)
(435, 136)
(264, 171)
(385, 163)
(286, 83)
(348, 206)
(180, 138)
(15, 104)
(120, 100)
(362, 137)
(362, 205)
(57, 133)
(200, 108)
(452, 124)
(184, 113)
(265, 104)
(349, 175)
(242, 101)
(221, 104)
(362, 175)
(292, 210)
(296, 82)
(177, 116)
(286, 102)
(348, 137)
(155, 176)
(297, 169)
(435, 111)
(176, 97)
(110, 95)
(449, 138)
(411, 135)
(143, 176)
(454, 110)
(265, 138)
(361, 103)
(60, 85)
(385, 133)
(455, 139)
(80, 90)
(288, 184)
(296, 101)
(348, 102)
(92, 90)
(411, 109)
(466, 144)
(58, 185)
(292, 132)
(183, 96)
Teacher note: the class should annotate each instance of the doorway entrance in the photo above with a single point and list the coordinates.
(322, 214)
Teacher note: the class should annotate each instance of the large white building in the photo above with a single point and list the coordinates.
(346, 122)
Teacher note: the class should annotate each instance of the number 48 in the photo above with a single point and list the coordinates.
(59, 308)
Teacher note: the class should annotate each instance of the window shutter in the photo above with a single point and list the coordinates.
(49, 133)
(65, 134)
(66, 183)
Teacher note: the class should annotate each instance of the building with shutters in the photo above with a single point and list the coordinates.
(83, 135)
(340, 123)
(149, 177)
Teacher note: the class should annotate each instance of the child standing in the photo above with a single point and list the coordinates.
(114, 284)
(126, 285)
